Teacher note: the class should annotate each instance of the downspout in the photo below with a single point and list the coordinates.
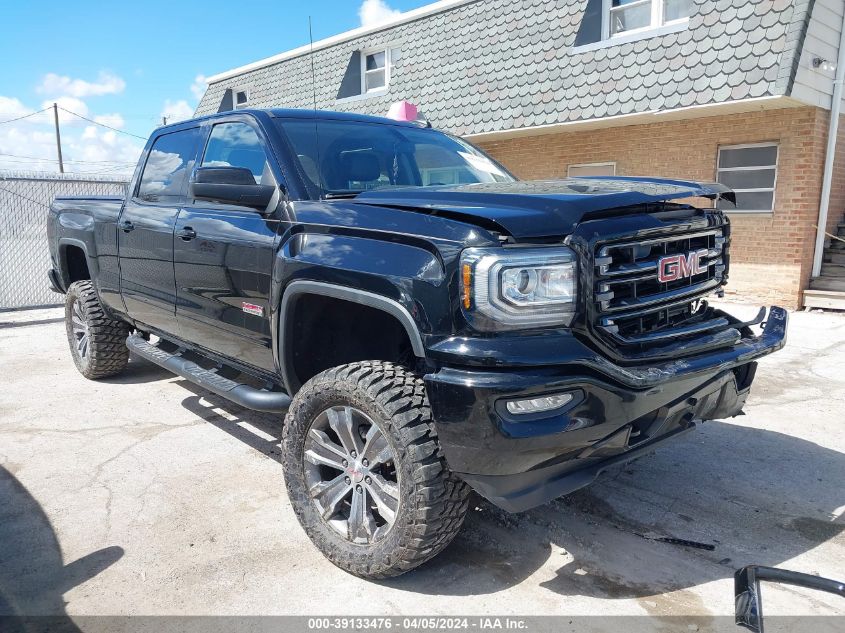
(833, 130)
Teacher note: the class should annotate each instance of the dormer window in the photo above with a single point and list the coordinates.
(376, 68)
(629, 16)
(614, 22)
(241, 99)
(375, 71)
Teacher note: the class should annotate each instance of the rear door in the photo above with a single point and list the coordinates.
(146, 226)
(224, 254)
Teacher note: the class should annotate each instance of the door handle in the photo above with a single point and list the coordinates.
(126, 226)
(186, 234)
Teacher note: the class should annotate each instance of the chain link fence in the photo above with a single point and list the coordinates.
(25, 199)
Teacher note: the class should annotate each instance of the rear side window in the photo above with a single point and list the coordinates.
(168, 166)
(238, 145)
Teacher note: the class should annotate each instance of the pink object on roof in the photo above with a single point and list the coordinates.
(403, 111)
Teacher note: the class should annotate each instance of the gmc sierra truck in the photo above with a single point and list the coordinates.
(429, 323)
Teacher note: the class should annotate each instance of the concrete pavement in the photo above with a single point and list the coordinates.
(143, 494)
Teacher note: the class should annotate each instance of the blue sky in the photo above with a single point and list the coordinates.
(124, 64)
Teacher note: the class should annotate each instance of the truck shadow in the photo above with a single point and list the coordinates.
(138, 371)
(228, 417)
(33, 576)
(754, 495)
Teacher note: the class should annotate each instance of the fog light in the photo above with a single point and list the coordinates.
(539, 404)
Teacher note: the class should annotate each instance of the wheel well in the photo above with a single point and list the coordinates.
(325, 332)
(76, 264)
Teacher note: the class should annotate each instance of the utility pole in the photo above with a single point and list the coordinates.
(164, 120)
(58, 138)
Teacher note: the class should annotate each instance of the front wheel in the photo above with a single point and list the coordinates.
(364, 471)
(97, 342)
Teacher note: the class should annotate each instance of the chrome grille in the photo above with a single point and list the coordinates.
(642, 315)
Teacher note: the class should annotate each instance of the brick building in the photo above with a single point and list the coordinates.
(738, 91)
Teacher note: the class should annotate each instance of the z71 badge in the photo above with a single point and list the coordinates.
(251, 308)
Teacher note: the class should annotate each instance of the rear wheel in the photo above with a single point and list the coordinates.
(97, 342)
(364, 470)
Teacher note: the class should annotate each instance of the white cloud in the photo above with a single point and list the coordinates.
(66, 106)
(112, 120)
(11, 108)
(30, 144)
(374, 12)
(199, 86)
(97, 145)
(177, 110)
(106, 83)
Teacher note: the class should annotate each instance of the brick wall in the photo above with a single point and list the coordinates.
(771, 255)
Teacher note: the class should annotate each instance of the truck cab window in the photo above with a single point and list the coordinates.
(343, 157)
(170, 161)
(238, 145)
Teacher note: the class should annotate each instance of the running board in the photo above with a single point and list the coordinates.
(239, 393)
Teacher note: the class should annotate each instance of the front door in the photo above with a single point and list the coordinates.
(145, 230)
(224, 254)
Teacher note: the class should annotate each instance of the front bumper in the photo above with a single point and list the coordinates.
(617, 414)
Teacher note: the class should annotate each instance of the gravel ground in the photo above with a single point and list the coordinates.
(146, 495)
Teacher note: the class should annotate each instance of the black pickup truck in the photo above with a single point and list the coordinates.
(429, 323)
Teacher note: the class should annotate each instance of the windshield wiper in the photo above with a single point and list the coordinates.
(334, 195)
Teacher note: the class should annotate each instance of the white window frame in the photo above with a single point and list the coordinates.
(364, 71)
(657, 19)
(605, 164)
(388, 68)
(235, 103)
(774, 186)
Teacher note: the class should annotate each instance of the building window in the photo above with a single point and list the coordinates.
(376, 68)
(751, 171)
(629, 16)
(241, 99)
(591, 169)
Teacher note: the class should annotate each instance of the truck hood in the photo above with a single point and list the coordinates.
(541, 208)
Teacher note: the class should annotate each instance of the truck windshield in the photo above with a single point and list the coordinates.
(344, 158)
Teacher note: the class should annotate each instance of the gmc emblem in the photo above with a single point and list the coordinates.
(674, 267)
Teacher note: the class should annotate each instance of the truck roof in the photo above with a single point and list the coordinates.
(299, 113)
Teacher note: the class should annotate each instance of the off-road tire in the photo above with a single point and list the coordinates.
(107, 353)
(432, 500)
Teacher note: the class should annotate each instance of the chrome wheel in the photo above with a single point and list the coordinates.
(351, 474)
(80, 331)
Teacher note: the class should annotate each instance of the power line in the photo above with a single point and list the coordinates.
(25, 116)
(24, 162)
(110, 171)
(15, 193)
(14, 158)
(69, 160)
(102, 124)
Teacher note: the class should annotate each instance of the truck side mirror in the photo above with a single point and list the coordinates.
(232, 185)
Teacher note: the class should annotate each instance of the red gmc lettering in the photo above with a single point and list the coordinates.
(674, 267)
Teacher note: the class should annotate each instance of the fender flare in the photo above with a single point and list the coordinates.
(93, 265)
(296, 289)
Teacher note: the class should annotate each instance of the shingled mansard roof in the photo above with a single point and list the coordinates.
(483, 66)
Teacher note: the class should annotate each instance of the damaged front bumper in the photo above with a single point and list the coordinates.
(615, 413)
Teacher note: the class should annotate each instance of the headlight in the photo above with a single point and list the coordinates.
(519, 287)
